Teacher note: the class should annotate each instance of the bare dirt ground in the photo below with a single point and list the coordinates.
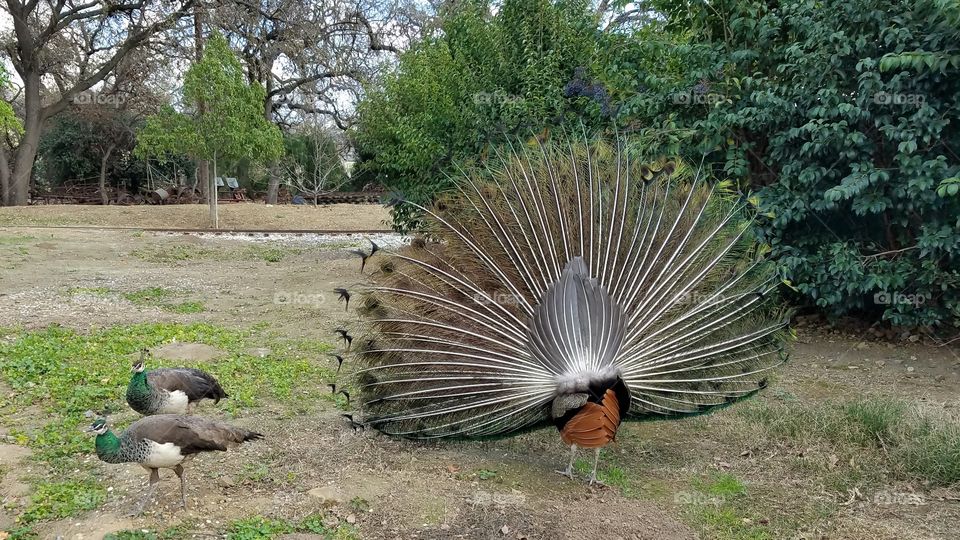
(503, 489)
(343, 217)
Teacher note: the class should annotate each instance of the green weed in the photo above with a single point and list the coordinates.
(261, 528)
(185, 307)
(89, 291)
(149, 297)
(55, 500)
(171, 253)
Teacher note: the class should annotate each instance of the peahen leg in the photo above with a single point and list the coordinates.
(154, 480)
(593, 475)
(183, 486)
(569, 470)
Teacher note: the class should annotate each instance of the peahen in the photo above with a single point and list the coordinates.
(165, 441)
(169, 390)
(574, 285)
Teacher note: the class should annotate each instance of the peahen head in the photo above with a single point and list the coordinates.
(139, 365)
(99, 426)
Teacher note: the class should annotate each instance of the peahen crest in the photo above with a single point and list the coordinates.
(560, 268)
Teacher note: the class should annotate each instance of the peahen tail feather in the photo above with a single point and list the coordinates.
(560, 267)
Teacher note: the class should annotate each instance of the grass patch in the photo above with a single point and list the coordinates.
(173, 533)
(608, 474)
(90, 291)
(15, 240)
(54, 500)
(159, 297)
(719, 508)
(261, 528)
(271, 254)
(185, 308)
(149, 297)
(66, 373)
(172, 253)
(904, 442)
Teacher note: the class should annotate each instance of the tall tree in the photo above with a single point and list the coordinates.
(313, 57)
(65, 47)
(231, 124)
(11, 129)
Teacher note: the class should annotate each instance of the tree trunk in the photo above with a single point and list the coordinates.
(4, 177)
(23, 164)
(273, 185)
(203, 177)
(212, 196)
(104, 196)
(29, 142)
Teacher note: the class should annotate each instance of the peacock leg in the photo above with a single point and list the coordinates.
(593, 475)
(569, 470)
(154, 480)
(183, 486)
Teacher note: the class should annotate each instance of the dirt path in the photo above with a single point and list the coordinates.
(396, 489)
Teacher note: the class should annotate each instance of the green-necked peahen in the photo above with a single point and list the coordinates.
(163, 442)
(170, 390)
(573, 285)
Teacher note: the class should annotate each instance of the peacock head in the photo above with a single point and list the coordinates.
(139, 365)
(99, 426)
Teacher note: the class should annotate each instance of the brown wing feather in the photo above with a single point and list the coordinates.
(595, 425)
(191, 433)
(196, 384)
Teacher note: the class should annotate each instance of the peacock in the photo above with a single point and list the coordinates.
(574, 284)
(165, 441)
(169, 390)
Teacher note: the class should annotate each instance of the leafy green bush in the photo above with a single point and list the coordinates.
(481, 80)
(839, 115)
(842, 114)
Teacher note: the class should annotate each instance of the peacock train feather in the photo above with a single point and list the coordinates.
(559, 271)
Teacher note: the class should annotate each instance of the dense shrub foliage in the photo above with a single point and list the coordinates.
(841, 115)
(480, 81)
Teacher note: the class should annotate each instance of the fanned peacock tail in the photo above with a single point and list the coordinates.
(559, 267)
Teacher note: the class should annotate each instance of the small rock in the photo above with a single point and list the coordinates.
(505, 530)
(913, 358)
(259, 352)
(910, 369)
(914, 338)
(351, 519)
(862, 345)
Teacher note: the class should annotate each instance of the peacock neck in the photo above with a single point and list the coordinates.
(138, 386)
(108, 448)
